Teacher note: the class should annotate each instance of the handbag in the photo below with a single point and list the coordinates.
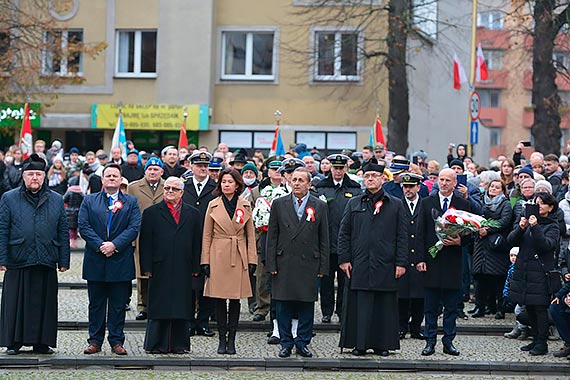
(554, 278)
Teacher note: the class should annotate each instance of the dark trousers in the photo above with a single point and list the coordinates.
(205, 307)
(489, 290)
(467, 268)
(411, 314)
(305, 312)
(327, 288)
(560, 314)
(142, 294)
(449, 299)
(107, 310)
(538, 321)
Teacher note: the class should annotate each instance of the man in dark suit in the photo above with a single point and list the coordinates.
(198, 193)
(109, 222)
(297, 255)
(443, 279)
(411, 284)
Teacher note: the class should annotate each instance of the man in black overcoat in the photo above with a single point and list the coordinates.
(170, 246)
(198, 193)
(444, 273)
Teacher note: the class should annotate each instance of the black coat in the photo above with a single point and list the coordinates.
(171, 252)
(33, 234)
(411, 284)
(200, 202)
(337, 200)
(446, 270)
(488, 257)
(298, 250)
(176, 171)
(132, 172)
(528, 285)
(373, 244)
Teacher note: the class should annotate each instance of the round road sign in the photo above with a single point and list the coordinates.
(475, 105)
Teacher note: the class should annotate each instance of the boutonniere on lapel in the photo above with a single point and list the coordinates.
(240, 216)
(117, 205)
(377, 207)
(310, 214)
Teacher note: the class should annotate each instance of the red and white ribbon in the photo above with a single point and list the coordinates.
(310, 214)
(239, 215)
(377, 207)
(117, 205)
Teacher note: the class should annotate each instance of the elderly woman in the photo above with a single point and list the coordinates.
(228, 255)
(538, 237)
(491, 254)
(526, 196)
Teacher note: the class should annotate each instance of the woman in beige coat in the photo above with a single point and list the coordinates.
(228, 255)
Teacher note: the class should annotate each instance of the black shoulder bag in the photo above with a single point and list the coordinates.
(554, 278)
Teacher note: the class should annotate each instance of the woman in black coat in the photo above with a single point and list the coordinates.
(491, 254)
(538, 238)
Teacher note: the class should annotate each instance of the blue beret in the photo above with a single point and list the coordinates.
(153, 161)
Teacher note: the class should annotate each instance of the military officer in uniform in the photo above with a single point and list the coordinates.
(336, 190)
(198, 193)
(411, 284)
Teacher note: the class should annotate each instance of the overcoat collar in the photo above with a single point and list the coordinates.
(221, 217)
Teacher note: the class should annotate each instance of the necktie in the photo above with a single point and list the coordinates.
(199, 186)
(337, 186)
(299, 202)
(110, 217)
(412, 206)
(445, 200)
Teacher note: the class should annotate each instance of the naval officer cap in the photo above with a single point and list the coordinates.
(200, 158)
(411, 179)
(338, 160)
(289, 165)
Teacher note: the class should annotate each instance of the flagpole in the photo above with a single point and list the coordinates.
(471, 74)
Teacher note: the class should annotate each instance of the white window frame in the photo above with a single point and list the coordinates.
(250, 31)
(495, 133)
(491, 56)
(337, 77)
(63, 61)
(493, 17)
(425, 17)
(137, 55)
(564, 62)
(489, 92)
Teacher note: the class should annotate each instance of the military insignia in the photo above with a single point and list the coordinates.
(348, 195)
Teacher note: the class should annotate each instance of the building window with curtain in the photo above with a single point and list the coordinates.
(62, 54)
(248, 55)
(337, 54)
(136, 54)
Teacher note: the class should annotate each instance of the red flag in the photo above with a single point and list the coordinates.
(459, 75)
(26, 134)
(378, 132)
(183, 139)
(481, 71)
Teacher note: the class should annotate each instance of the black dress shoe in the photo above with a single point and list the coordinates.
(417, 336)
(326, 319)
(500, 315)
(357, 352)
(461, 315)
(304, 352)
(382, 352)
(258, 318)
(12, 351)
(429, 349)
(273, 340)
(473, 310)
(450, 349)
(402, 335)
(284, 352)
(141, 316)
(205, 331)
(43, 350)
(479, 313)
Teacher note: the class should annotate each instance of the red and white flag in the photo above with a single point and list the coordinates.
(183, 138)
(459, 75)
(26, 134)
(481, 71)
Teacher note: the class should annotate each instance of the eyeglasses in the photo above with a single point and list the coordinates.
(168, 188)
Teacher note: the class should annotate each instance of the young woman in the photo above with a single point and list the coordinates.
(56, 176)
(229, 255)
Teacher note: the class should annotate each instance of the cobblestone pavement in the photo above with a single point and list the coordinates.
(253, 345)
(240, 375)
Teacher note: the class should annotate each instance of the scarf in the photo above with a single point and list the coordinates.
(230, 205)
(175, 210)
(373, 198)
(55, 178)
(493, 203)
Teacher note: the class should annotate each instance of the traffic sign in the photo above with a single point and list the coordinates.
(474, 132)
(475, 105)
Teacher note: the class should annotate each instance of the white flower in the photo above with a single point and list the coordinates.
(459, 221)
(323, 198)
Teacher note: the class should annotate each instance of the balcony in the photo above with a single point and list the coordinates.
(493, 117)
(562, 81)
(528, 117)
(497, 79)
(493, 39)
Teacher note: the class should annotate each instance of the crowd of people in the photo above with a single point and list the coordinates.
(201, 230)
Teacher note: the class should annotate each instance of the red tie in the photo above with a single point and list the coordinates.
(300, 202)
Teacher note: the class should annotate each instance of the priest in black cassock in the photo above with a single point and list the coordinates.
(34, 241)
(170, 247)
(372, 252)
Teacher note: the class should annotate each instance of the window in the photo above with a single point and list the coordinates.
(425, 17)
(490, 20)
(248, 55)
(5, 60)
(494, 59)
(62, 55)
(327, 141)
(495, 134)
(337, 55)
(560, 60)
(490, 98)
(564, 98)
(136, 54)
(247, 139)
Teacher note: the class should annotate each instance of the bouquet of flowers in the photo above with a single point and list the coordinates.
(262, 207)
(457, 222)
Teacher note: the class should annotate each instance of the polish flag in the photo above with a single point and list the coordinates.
(481, 72)
(459, 75)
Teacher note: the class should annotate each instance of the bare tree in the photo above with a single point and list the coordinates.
(38, 54)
